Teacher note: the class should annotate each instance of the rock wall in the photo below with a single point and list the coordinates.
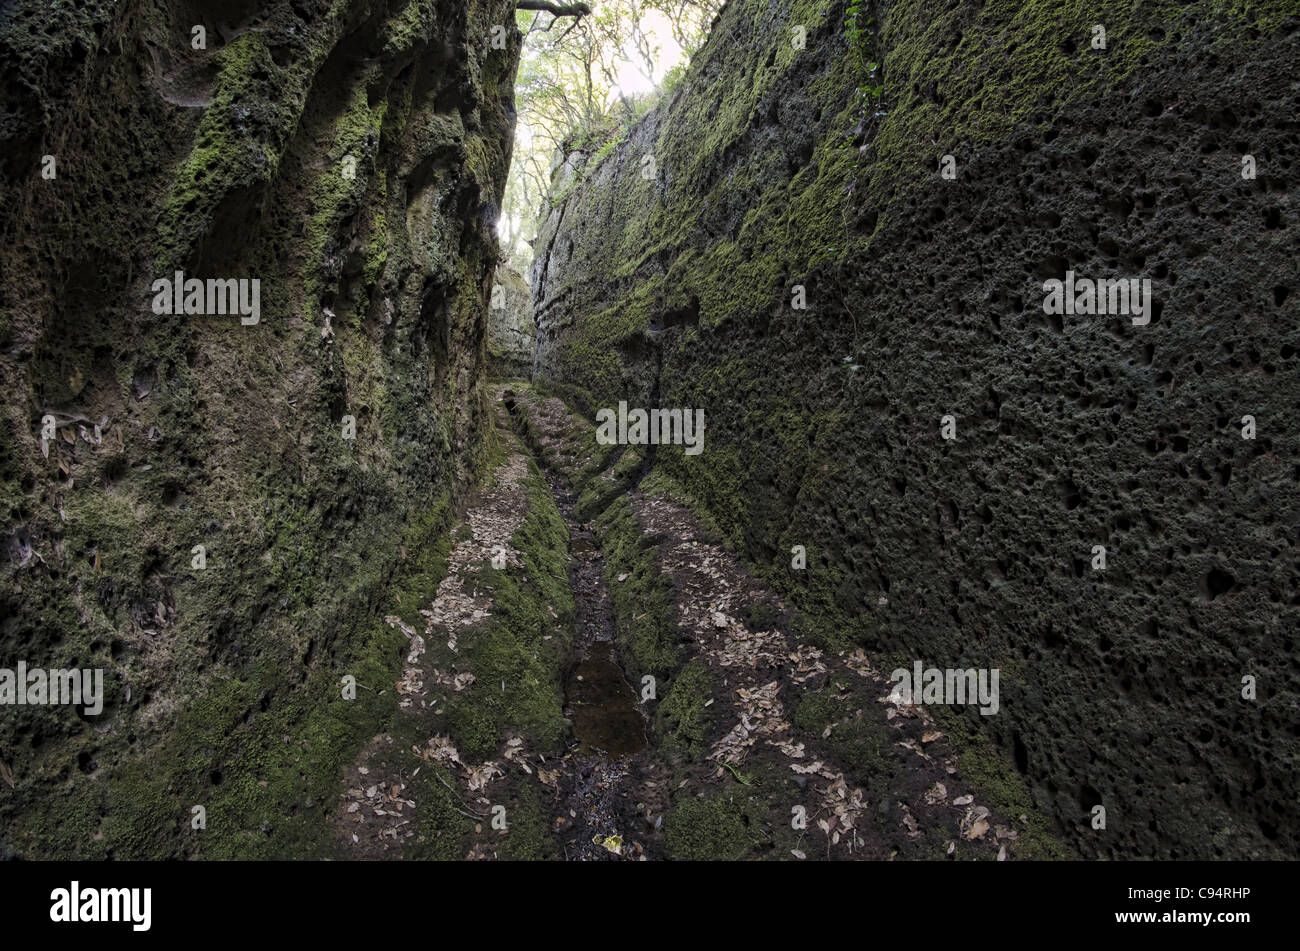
(349, 155)
(671, 272)
(511, 333)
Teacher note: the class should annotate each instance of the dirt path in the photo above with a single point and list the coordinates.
(377, 809)
(595, 678)
(609, 785)
(827, 762)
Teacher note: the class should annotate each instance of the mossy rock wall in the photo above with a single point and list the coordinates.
(351, 156)
(774, 166)
(511, 334)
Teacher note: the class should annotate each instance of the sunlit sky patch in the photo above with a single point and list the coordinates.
(632, 81)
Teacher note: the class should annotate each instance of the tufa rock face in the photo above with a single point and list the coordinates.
(340, 153)
(774, 177)
(511, 334)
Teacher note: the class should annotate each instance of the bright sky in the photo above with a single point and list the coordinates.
(631, 81)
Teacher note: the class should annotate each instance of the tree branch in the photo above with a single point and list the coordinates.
(578, 9)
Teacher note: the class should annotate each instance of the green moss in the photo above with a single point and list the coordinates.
(262, 759)
(1009, 64)
(716, 486)
(658, 482)
(644, 606)
(336, 196)
(265, 779)
(682, 719)
(474, 727)
(440, 827)
(599, 491)
(238, 143)
(528, 832)
(105, 524)
(714, 827)
(520, 656)
(859, 739)
(377, 246)
(409, 26)
(310, 541)
(1001, 786)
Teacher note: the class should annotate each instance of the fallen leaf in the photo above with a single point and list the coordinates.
(978, 828)
(931, 736)
(913, 828)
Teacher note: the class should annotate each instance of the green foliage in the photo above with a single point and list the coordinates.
(570, 97)
(861, 31)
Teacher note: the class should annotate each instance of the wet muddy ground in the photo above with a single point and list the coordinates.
(602, 813)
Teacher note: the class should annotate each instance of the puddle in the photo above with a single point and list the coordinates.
(603, 706)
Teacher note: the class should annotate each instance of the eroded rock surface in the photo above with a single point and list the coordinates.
(776, 183)
(511, 333)
(350, 157)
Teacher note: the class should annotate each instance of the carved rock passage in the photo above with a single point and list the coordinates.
(350, 157)
(1121, 687)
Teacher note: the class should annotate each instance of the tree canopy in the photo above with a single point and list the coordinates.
(587, 72)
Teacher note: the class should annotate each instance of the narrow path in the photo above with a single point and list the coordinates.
(608, 783)
(378, 813)
(520, 728)
(812, 749)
